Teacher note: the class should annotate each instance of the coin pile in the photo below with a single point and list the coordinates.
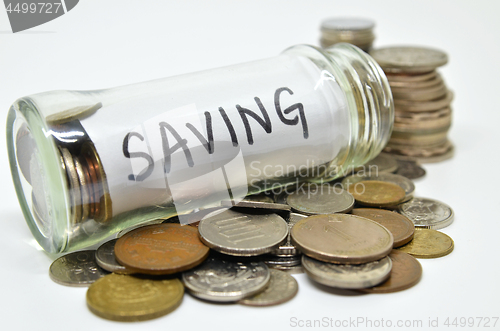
(422, 103)
(246, 254)
(356, 31)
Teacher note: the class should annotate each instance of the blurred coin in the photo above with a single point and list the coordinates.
(283, 261)
(296, 269)
(377, 193)
(242, 234)
(409, 59)
(72, 114)
(347, 276)
(342, 238)
(287, 249)
(410, 77)
(321, 199)
(420, 106)
(105, 258)
(402, 228)
(259, 198)
(415, 84)
(428, 244)
(406, 272)
(407, 185)
(427, 213)
(281, 288)
(128, 298)
(410, 169)
(226, 280)
(382, 163)
(161, 249)
(255, 204)
(431, 93)
(76, 269)
(426, 157)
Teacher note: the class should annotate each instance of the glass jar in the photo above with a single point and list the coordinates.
(87, 164)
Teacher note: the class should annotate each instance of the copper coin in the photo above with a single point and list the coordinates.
(406, 272)
(161, 249)
(342, 238)
(376, 193)
(402, 228)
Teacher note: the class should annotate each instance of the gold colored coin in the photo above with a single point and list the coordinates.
(128, 299)
(428, 244)
(377, 193)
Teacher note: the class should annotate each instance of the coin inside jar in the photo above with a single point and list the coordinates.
(161, 249)
(342, 238)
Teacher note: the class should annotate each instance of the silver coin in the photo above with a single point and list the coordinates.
(403, 182)
(347, 24)
(281, 288)
(73, 114)
(222, 280)
(76, 269)
(259, 198)
(409, 59)
(296, 269)
(410, 169)
(288, 249)
(105, 258)
(284, 261)
(321, 200)
(382, 163)
(241, 234)
(348, 276)
(427, 213)
(256, 205)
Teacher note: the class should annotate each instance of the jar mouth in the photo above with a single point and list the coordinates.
(370, 101)
(37, 176)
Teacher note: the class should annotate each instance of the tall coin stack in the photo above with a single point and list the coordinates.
(356, 31)
(422, 103)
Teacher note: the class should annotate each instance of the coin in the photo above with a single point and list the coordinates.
(436, 80)
(410, 169)
(356, 31)
(161, 249)
(122, 232)
(79, 112)
(421, 106)
(76, 269)
(342, 238)
(427, 213)
(407, 185)
(287, 249)
(377, 193)
(321, 199)
(259, 198)
(410, 77)
(401, 227)
(242, 234)
(382, 163)
(226, 280)
(281, 288)
(428, 244)
(128, 298)
(105, 258)
(255, 204)
(409, 59)
(296, 269)
(283, 261)
(406, 272)
(347, 276)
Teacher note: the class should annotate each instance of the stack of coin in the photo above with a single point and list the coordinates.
(422, 103)
(356, 31)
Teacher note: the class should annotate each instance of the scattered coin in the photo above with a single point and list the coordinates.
(427, 213)
(242, 234)
(382, 163)
(255, 204)
(321, 199)
(428, 244)
(225, 280)
(287, 249)
(296, 269)
(377, 193)
(128, 298)
(259, 198)
(407, 185)
(122, 232)
(347, 276)
(401, 227)
(282, 261)
(342, 238)
(406, 272)
(76, 269)
(105, 258)
(281, 288)
(410, 169)
(161, 249)
(409, 59)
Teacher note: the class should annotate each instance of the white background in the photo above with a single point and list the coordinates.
(101, 44)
